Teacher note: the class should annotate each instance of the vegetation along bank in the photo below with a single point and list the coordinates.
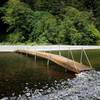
(50, 22)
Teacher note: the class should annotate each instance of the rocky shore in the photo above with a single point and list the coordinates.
(85, 86)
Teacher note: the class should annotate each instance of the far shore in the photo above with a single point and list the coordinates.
(12, 48)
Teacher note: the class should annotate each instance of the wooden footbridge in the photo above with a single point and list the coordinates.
(66, 63)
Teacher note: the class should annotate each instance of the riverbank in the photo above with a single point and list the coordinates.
(12, 48)
(86, 86)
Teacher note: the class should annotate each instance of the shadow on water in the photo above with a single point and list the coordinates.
(19, 71)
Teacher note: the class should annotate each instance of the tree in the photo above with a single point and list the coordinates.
(97, 12)
(19, 17)
(56, 25)
(78, 25)
(43, 22)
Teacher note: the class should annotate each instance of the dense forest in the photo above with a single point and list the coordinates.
(50, 22)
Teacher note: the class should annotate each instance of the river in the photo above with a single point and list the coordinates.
(23, 77)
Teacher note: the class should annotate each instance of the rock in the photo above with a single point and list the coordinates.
(85, 86)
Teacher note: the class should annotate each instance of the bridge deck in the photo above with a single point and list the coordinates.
(60, 60)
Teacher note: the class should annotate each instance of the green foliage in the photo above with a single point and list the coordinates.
(79, 26)
(51, 21)
(15, 38)
(18, 16)
(43, 21)
(97, 12)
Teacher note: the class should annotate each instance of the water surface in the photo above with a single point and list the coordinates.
(20, 71)
(93, 55)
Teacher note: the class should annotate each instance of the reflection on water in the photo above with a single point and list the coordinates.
(18, 71)
(93, 55)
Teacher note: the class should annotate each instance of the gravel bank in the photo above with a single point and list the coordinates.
(86, 86)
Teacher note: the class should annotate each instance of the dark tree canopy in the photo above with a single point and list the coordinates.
(50, 21)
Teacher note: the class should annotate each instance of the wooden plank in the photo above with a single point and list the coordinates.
(60, 60)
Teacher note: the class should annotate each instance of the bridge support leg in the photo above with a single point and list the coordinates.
(48, 61)
(73, 59)
(68, 53)
(65, 70)
(81, 56)
(87, 58)
(35, 57)
(59, 51)
(26, 54)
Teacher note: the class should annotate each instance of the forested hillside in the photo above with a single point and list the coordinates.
(50, 22)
